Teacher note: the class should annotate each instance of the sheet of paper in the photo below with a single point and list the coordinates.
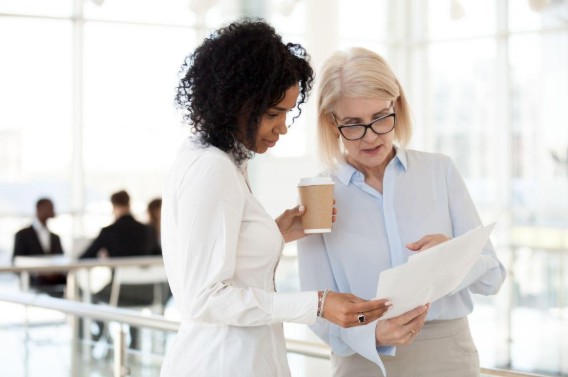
(432, 273)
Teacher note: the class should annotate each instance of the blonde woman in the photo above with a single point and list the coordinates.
(387, 197)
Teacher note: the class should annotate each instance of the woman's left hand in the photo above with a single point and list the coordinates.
(290, 222)
(428, 241)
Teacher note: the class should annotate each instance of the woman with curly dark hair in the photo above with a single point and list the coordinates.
(220, 247)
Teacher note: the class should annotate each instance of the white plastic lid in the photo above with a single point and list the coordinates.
(312, 181)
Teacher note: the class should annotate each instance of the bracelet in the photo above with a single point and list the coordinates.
(321, 303)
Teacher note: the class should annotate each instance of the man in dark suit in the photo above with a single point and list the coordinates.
(126, 237)
(37, 239)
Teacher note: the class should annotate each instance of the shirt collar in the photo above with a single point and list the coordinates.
(38, 226)
(401, 157)
(345, 172)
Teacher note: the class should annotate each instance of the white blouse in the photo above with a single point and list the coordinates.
(220, 251)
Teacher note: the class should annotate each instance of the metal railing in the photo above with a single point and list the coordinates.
(158, 322)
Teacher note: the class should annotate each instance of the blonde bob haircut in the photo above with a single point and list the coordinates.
(356, 73)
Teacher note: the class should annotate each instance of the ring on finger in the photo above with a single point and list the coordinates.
(413, 332)
(361, 318)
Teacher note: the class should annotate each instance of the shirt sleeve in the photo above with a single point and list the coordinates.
(19, 245)
(97, 244)
(487, 274)
(210, 204)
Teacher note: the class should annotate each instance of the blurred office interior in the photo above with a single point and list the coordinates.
(86, 109)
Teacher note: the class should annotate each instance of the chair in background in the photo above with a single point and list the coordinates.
(129, 278)
(140, 275)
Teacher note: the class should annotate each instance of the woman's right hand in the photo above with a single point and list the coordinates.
(427, 242)
(347, 310)
(402, 329)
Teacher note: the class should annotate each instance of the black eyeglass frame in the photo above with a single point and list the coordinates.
(366, 126)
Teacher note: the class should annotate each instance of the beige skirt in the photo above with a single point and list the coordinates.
(441, 349)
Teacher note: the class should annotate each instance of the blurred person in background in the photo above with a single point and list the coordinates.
(154, 222)
(125, 237)
(37, 239)
(387, 198)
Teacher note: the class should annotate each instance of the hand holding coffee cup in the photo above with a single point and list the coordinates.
(316, 195)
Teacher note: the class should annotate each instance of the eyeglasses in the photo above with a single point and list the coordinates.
(382, 125)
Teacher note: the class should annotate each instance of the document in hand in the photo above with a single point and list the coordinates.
(432, 273)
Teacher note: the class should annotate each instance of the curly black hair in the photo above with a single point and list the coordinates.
(239, 72)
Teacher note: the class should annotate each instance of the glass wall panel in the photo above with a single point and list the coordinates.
(35, 120)
(540, 177)
(214, 13)
(53, 8)
(155, 11)
(540, 95)
(366, 25)
(537, 14)
(461, 111)
(36, 93)
(288, 17)
(131, 127)
(461, 18)
(368, 20)
(462, 102)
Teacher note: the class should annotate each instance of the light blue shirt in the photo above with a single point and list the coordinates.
(423, 193)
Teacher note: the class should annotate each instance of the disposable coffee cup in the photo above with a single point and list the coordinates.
(316, 195)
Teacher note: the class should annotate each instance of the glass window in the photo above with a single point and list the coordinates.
(540, 94)
(131, 126)
(54, 8)
(462, 100)
(35, 121)
(171, 11)
(537, 14)
(367, 20)
(215, 13)
(461, 18)
(288, 17)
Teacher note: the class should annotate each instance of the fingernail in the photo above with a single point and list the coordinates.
(388, 303)
(301, 208)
